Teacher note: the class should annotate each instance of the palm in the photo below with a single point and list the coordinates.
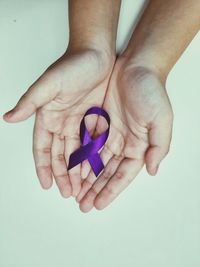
(137, 103)
(72, 84)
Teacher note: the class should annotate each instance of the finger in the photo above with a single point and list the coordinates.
(59, 166)
(159, 139)
(106, 154)
(87, 202)
(85, 169)
(125, 173)
(72, 143)
(42, 141)
(40, 93)
(114, 145)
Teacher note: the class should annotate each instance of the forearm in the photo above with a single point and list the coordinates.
(93, 24)
(164, 31)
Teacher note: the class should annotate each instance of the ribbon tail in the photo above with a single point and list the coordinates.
(96, 163)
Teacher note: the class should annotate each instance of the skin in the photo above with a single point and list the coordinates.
(137, 100)
(63, 93)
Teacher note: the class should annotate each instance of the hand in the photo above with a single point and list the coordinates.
(61, 96)
(140, 133)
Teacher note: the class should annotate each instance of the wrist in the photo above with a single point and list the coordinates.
(93, 25)
(146, 60)
(105, 57)
(98, 59)
(129, 68)
(101, 44)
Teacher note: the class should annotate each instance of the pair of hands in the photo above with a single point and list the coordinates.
(140, 129)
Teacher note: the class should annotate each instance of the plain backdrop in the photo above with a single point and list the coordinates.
(154, 222)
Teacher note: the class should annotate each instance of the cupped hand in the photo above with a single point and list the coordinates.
(60, 97)
(140, 133)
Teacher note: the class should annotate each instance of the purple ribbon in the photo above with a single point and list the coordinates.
(90, 147)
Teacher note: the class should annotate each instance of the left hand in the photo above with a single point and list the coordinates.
(140, 133)
(60, 97)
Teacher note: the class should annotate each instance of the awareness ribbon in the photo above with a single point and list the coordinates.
(90, 147)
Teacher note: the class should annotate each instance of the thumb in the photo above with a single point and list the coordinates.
(39, 94)
(159, 139)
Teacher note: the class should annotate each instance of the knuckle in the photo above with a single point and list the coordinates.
(87, 183)
(43, 150)
(106, 175)
(60, 137)
(119, 157)
(75, 136)
(119, 175)
(46, 150)
(62, 176)
(74, 176)
(59, 157)
(110, 190)
(93, 191)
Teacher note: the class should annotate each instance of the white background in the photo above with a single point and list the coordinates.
(154, 222)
